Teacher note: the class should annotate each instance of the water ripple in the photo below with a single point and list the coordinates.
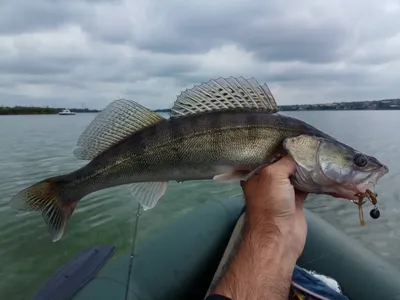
(36, 147)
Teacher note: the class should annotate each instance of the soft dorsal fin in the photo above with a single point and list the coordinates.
(223, 94)
(117, 121)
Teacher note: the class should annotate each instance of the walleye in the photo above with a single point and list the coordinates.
(226, 130)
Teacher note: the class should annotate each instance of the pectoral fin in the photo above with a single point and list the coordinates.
(230, 177)
(238, 175)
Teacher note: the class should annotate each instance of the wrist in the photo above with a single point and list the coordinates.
(273, 233)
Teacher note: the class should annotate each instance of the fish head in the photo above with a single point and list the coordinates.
(325, 165)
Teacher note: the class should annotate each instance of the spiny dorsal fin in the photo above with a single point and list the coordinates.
(223, 94)
(117, 121)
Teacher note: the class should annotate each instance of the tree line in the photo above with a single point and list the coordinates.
(35, 110)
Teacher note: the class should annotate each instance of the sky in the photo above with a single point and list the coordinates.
(70, 53)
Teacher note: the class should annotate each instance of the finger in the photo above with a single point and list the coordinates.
(301, 195)
(286, 165)
(299, 201)
(243, 183)
(299, 204)
(283, 168)
(252, 180)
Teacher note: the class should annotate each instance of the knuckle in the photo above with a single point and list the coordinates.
(267, 171)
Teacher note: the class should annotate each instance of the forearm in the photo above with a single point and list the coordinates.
(262, 267)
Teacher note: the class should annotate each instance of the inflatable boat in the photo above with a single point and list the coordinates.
(180, 262)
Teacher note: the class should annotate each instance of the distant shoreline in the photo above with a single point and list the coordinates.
(32, 110)
(387, 104)
(319, 109)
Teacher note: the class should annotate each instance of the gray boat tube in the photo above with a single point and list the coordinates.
(181, 261)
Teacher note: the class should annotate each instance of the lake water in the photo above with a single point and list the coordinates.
(35, 147)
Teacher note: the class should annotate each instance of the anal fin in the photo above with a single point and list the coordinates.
(56, 217)
(148, 193)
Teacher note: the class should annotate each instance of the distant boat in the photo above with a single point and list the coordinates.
(66, 112)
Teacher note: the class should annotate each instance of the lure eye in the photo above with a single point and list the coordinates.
(360, 160)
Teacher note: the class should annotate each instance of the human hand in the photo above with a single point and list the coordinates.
(273, 238)
(272, 202)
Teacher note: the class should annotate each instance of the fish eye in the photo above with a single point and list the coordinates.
(360, 160)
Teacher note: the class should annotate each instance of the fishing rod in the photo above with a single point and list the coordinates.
(134, 235)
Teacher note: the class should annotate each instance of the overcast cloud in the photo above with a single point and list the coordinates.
(69, 53)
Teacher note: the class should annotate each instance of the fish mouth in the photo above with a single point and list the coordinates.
(365, 189)
(370, 182)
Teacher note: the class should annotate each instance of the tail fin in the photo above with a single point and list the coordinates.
(45, 196)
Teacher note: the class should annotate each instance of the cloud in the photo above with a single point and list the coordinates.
(69, 53)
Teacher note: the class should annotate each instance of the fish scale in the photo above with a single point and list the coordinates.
(226, 130)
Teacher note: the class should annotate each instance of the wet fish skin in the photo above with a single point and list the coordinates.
(330, 167)
(190, 148)
(127, 143)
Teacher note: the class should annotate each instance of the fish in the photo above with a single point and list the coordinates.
(225, 129)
